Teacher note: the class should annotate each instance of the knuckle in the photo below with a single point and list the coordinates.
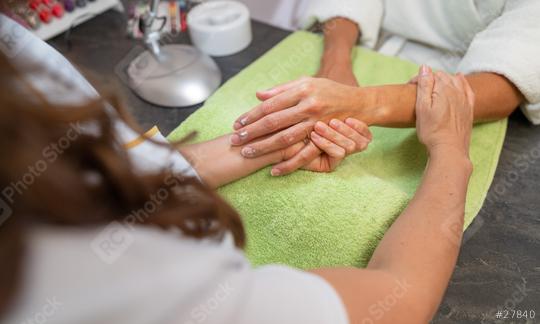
(313, 105)
(303, 157)
(344, 129)
(286, 139)
(266, 108)
(350, 147)
(305, 88)
(270, 123)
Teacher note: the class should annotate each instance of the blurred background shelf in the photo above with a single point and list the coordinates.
(76, 17)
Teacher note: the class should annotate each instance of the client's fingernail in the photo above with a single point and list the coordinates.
(275, 172)
(248, 151)
(235, 139)
(243, 121)
(424, 71)
(334, 123)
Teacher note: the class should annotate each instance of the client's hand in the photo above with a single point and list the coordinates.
(444, 113)
(333, 143)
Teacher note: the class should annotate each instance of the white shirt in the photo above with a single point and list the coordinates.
(499, 36)
(122, 273)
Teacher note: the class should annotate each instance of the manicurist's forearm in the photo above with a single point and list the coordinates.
(393, 105)
(219, 163)
(422, 245)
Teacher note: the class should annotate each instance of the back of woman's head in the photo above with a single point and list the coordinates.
(64, 166)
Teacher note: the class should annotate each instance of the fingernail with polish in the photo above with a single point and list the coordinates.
(275, 172)
(243, 121)
(243, 134)
(248, 151)
(334, 123)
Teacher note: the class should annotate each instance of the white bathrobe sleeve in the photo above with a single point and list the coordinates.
(367, 14)
(510, 46)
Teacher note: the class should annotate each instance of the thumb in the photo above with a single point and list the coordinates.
(425, 88)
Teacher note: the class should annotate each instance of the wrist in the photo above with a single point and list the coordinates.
(332, 62)
(451, 155)
(368, 106)
(337, 55)
(390, 105)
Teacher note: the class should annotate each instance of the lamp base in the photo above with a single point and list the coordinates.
(179, 76)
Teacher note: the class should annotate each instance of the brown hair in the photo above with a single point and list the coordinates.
(87, 180)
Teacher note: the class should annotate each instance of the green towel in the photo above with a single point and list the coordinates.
(307, 219)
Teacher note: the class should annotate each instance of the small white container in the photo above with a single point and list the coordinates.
(220, 28)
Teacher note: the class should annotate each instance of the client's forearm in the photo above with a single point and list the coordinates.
(393, 105)
(218, 163)
(340, 36)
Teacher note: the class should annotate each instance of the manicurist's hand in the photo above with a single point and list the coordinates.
(444, 118)
(420, 249)
(291, 110)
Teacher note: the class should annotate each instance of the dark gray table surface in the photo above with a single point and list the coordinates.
(499, 264)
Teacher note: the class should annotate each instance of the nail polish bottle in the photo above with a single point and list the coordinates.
(44, 14)
(69, 5)
(57, 10)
